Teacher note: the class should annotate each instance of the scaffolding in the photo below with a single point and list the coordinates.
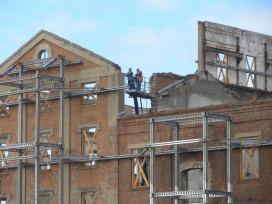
(25, 86)
(190, 119)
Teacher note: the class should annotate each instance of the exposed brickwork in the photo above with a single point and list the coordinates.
(104, 175)
(247, 117)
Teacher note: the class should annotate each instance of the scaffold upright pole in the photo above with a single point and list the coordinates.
(152, 162)
(229, 163)
(177, 162)
(20, 140)
(37, 140)
(61, 131)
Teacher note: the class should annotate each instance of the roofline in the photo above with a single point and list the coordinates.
(64, 40)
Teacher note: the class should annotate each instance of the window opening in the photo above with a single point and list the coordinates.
(89, 144)
(250, 162)
(43, 54)
(194, 181)
(3, 202)
(45, 105)
(4, 154)
(222, 72)
(44, 199)
(251, 66)
(139, 170)
(4, 110)
(45, 154)
(89, 98)
(88, 197)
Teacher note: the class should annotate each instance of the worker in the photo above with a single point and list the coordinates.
(129, 76)
(139, 79)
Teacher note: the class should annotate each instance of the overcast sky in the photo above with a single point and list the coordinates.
(154, 35)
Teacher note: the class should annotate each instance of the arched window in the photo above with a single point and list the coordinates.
(43, 54)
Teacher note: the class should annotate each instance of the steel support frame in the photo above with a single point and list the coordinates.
(20, 141)
(20, 147)
(37, 139)
(61, 131)
(206, 118)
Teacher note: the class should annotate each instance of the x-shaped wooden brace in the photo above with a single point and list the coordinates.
(250, 161)
(86, 199)
(2, 108)
(2, 155)
(45, 101)
(89, 95)
(251, 67)
(140, 171)
(45, 153)
(89, 143)
(221, 72)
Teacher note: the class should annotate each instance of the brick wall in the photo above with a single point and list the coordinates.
(247, 117)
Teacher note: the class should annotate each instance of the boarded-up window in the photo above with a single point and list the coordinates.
(89, 99)
(89, 144)
(251, 67)
(139, 170)
(3, 154)
(194, 181)
(88, 197)
(250, 162)
(44, 199)
(45, 154)
(4, 109)
(222, 71)
(45, 103)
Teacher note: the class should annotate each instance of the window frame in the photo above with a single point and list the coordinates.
(141, 172)
(249, 135)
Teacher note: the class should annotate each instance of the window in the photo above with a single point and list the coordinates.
(45, 104)
(89, 99)
(251, 66)
(43, 54)
(45, 196)
(45, 154)
(3, 142)
(88, 197)
(194, 181)
(222, 72)
(89, 144)
(139, 170)
(4, 110)
(249, 156)
(44, 199)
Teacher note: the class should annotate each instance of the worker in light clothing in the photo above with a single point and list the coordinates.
(139, 79)
(129, 76)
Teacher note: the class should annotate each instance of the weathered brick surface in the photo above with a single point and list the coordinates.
(105, 175)
(247, 117)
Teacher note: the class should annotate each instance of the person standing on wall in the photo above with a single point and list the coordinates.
(139, 79)
(129, 76)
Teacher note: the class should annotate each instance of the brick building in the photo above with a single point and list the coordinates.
(88, 125)
(63, 142)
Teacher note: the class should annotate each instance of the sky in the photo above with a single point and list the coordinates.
(155, 35)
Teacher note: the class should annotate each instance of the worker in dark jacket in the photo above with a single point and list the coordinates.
(129, 76)
(139, 79)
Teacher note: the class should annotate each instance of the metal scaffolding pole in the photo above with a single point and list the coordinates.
(152, 162)
(61, 130)
(177, 162)
(205, 159)
(20, 140)
(37, 138)
(229, 163)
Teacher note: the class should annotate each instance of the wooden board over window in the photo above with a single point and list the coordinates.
(249, 156)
